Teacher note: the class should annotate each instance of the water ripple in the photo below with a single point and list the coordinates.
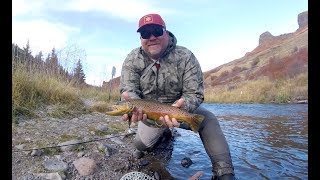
(266, 141)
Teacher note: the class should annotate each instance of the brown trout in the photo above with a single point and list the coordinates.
(154, 110)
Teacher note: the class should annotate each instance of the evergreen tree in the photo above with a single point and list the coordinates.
(79, 75)
(47, 66)
(38, 57)
(27, 53)
(39, 62)
(53, 62)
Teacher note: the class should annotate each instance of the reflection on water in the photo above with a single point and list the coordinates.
(266, 142)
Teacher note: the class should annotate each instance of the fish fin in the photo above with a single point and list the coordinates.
(196, 121)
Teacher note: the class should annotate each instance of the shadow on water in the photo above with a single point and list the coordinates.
(266, 141)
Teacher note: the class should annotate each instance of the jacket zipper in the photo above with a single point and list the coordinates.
(157, 83)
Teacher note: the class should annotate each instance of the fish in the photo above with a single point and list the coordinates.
(154, 109)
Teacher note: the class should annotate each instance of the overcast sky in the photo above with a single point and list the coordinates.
(104, 31)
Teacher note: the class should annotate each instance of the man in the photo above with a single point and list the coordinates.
(163, 71)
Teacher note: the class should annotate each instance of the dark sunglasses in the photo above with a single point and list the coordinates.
(146, 34)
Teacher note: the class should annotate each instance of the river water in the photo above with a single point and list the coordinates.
(266, 141)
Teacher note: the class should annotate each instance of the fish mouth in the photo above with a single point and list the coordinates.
(119, 110)
(115, 109)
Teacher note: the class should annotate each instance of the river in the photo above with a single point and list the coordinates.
(267, 141)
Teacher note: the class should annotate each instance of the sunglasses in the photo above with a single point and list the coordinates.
(156, 32)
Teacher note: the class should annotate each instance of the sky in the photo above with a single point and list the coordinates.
(101, 33)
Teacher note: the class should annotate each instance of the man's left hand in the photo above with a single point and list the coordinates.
(172, 122)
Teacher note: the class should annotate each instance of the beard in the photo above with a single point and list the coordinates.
(154, 51)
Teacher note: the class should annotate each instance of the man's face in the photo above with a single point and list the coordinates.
(154, 40)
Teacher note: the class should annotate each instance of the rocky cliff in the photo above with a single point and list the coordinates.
(282, 56)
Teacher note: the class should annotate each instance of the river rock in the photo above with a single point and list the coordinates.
(55, 165)
(186, 162)
(20, 146)
(102, 127)
(85, 166)
(36, 152)
(144, 162)
(50, 176)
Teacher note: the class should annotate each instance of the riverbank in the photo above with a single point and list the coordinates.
(100, 147)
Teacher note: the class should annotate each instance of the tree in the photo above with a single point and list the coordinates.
(52, 63)
(69, 56)
(39, 63)
(79, 75)
(39, 56)
(27, 53)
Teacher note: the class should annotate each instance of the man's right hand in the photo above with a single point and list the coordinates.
(137, 114)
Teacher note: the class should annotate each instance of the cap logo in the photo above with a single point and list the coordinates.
(148, 19)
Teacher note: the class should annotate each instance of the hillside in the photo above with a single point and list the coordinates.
(275, 57)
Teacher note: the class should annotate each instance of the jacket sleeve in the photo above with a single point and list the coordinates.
(193, 90)
(130, 78)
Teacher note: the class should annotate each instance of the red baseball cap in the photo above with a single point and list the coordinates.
(151, 19)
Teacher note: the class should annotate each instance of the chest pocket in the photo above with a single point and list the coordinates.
(164, 84)
(148, 80)
(171, 81)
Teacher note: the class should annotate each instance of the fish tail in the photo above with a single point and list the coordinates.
(196, 121)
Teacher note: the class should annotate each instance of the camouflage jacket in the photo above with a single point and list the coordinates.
(179, 76)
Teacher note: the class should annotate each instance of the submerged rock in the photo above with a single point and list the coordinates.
(186, 162)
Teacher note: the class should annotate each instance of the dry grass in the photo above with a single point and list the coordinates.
(32, 88)
(100, 94)
(262, 91)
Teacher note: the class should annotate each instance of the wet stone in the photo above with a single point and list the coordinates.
(186, 162)
(144, 162)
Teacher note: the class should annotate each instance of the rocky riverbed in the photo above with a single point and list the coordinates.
(84, 146)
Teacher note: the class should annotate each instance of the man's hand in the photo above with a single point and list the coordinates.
(196, 176)
(136, 115)
(172, 122)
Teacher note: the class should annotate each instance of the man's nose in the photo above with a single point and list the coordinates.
(152, 37)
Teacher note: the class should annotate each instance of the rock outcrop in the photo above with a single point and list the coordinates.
(266, 36)
(303, 19)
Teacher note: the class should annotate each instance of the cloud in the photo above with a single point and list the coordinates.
(212, 55)
(42, 35)
(99, 68)
(21, 7)
(126, 9)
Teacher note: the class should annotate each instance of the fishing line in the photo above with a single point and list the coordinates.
(82, 142)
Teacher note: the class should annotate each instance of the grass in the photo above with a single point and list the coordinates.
(100, 94)
(262, 91)
(113, 129)
(33, 88)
